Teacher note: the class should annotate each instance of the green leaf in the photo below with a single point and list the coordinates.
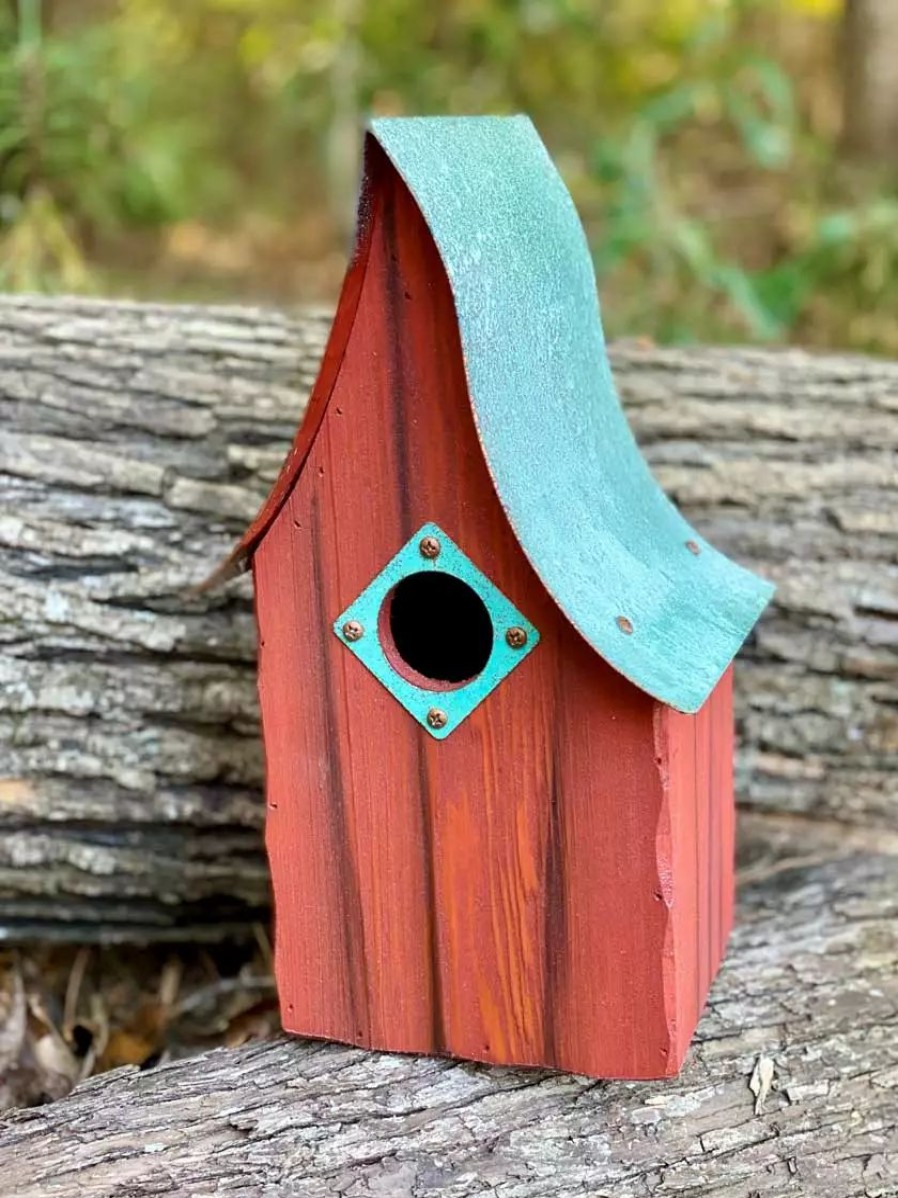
(740, 290)
(836, 229)
(784, 290)
(768, 143)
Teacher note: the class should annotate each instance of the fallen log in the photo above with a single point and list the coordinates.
(137, 440)
(791, 1086)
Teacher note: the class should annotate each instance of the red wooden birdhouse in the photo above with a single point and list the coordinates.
(495, 661)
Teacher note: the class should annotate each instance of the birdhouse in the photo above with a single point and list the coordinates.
(495, 662)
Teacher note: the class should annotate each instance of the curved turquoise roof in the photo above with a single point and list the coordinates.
(600, 533)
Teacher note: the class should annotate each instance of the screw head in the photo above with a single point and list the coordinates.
(694, 547)
(516, 637)
(437, 718)
(624, 624)
(353, 630)
(430, 547)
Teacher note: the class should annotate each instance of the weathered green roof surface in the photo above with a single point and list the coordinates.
(598, 530)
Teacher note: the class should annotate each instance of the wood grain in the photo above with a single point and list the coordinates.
(810, 984)
(495, 895)
(701, 810)
(136, 443)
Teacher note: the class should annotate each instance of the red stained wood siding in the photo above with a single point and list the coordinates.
(702, 808)
(515, 892)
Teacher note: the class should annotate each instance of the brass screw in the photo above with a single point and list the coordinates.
(624, 624)
(437, 718)
(353, 630)
(694, 547)
(430, 547)
(516, 637)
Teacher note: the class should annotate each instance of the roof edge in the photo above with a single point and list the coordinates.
(644, 590)
(637, 582)
(238, 560)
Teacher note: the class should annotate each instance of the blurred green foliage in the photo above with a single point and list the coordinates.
(709, 179)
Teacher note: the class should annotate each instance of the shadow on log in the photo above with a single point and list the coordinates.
(136, 443)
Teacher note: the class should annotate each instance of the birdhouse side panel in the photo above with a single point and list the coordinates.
(495, 894)
(702, 807)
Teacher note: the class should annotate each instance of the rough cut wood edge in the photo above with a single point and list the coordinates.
(809, 992)
(136, 441)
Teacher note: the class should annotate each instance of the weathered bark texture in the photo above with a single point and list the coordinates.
(136, 441)
(869, 79)
(808, 1002)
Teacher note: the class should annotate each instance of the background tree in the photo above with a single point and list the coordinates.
(871, 78)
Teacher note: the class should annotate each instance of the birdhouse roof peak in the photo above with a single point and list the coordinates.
(660, 604)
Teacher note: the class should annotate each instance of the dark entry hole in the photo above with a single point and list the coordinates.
(439, 627)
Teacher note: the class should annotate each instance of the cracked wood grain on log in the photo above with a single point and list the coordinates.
(810, 990)
(136, 440)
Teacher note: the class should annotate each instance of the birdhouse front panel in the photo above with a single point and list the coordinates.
(485, 841)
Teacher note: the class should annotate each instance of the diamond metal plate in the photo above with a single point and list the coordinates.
(457, 701)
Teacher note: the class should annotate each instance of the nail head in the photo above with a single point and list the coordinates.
(430, 547)
(353, 630)
(437, 718)
(624, 624)
(516, 637)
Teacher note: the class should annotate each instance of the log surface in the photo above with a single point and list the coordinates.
(807, 1002)
(136, 442)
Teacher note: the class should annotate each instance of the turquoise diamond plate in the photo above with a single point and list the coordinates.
(459, 701)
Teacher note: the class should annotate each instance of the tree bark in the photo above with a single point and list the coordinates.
(137, 440)
(806, 1004)
(870, 80)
